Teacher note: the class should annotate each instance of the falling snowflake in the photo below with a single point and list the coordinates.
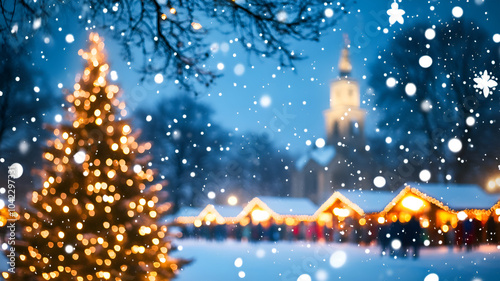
(395, 14)
(485, 82)
(15, 171)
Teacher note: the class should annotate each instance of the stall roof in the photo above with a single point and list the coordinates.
(333, 198)
(290, 206)
(188, 212)
(280, 207)
(183, 212)
(458, 196)
(228, 211)
(370, 201)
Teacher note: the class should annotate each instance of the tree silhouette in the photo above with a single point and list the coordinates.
(263, 170)
(172, 34)
(189, 147)
(24, 99)
(445, 106)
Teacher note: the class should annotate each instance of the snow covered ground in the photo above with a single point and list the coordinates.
(291, 261)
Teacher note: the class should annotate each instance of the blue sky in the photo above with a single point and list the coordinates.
(298, 97)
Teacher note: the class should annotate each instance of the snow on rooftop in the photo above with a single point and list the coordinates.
(290, 205)
(228, 211)
(323, 156)
(458, 196)
(370, 201)
(188, 212)
(183, 212)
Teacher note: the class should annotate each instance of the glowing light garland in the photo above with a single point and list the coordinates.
(257, 204)
(94, 218)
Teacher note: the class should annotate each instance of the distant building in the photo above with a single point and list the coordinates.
(342, 161)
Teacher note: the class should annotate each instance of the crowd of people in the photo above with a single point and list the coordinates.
(398, 238)
(395, 238)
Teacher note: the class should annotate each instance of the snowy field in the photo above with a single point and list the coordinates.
(291, 261)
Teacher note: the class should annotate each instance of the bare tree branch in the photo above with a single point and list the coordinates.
(172, 34)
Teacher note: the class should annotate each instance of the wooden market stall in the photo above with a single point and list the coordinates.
(185, 215)
(211, 222)
(354, 215)
(495, 211)
(287, 210)
(439, 207)
(371, 202)
(211, 214)
(277, 218)
(339, 217)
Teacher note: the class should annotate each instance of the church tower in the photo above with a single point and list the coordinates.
(345, 119)
(343, 163)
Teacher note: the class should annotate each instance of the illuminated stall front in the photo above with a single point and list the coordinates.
(266, 210)
(350, 215)
(339, 216)
(372, 202)
(211, 214)
(406, 204)
(495, 211)
(438, 216)
(212, 222)
(185, 215)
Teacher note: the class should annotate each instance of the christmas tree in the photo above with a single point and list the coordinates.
(97, 215)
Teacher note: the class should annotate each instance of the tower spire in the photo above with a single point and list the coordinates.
(345, 65)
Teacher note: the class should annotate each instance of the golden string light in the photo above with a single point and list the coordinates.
(80, 193)
(415, 200)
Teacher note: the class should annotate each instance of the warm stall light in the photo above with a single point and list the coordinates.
(381, 220)
(325, 217)
(405, 217)
(197, 223)
(260, 215)
(210, 217)
(445, 228)
(244, 221)
(290, 221)
(413, 203)
(341, 212)
(362, 221)
(425, 223)
(220, 220)
(497, 212)
(461, 215)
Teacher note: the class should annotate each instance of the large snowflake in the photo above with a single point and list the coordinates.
(485, 82)
(395, 14)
